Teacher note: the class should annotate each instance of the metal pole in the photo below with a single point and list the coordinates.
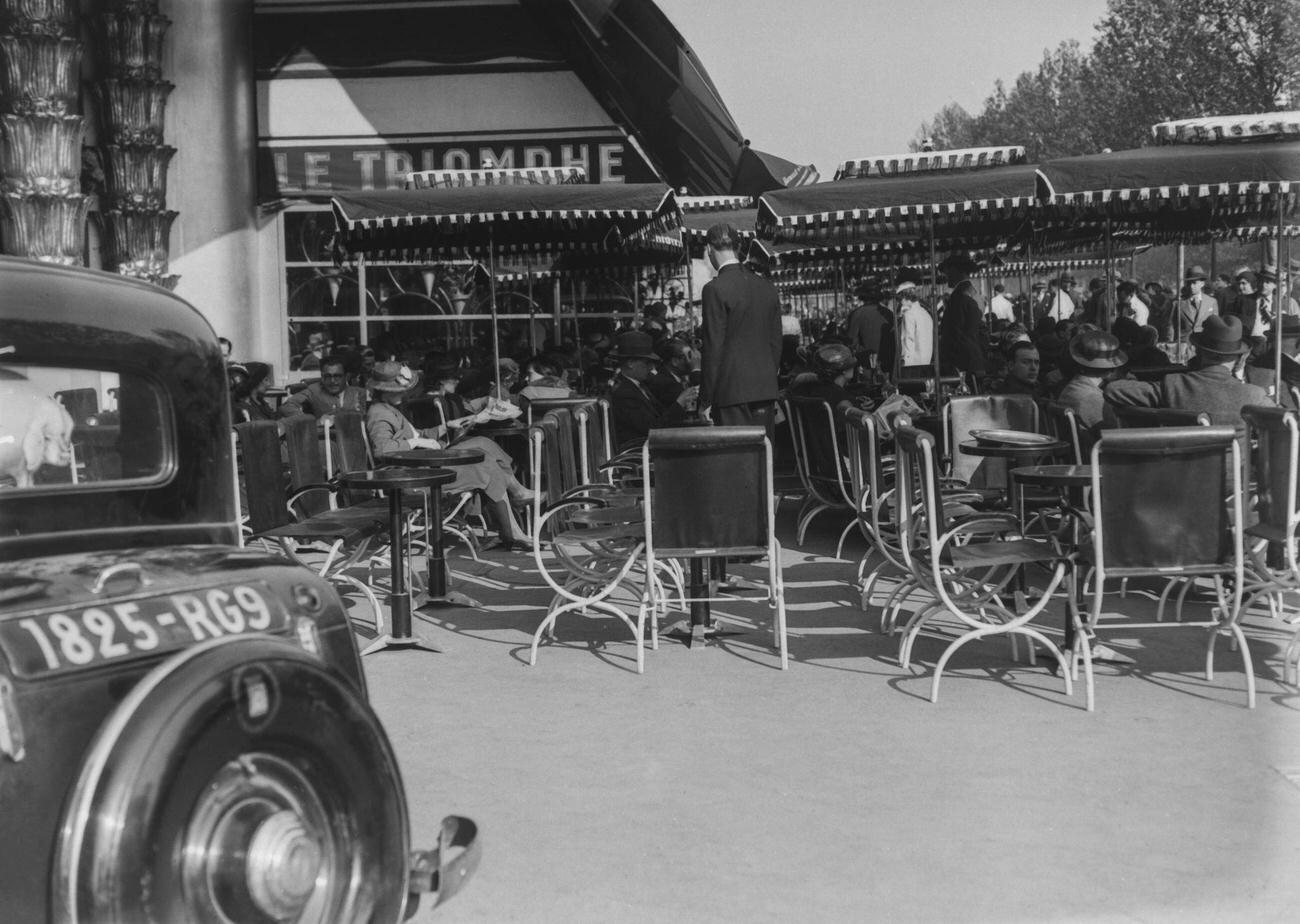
(1178, 314)
(492, 291)
(1111, 296)
(532, 315)
(1277, 310)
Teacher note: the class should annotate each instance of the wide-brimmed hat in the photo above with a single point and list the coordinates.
(1096, 349)
(1249, 276)
(1221, 336)
(634, 344)
(834, 357)
(1038, 285)
(1268, 274)
(1196, 272)
(905, 287)
(392, 376)
(1290, 326)
(1066, 280)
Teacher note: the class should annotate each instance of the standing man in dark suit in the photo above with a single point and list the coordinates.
(961, 334)
(740, 340)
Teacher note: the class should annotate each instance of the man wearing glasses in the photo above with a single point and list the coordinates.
(330, 394)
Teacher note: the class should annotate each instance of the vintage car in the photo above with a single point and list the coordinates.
(184, 728)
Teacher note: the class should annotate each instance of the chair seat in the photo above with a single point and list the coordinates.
(632, 530)
(347, 529)
(1269, 531)
(1010, 552)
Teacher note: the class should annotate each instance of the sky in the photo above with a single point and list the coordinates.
(825, 81)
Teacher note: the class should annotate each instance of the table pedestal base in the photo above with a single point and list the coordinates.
(401, 636)
(696, 635)
(450, 598)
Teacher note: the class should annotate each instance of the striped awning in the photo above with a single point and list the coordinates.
(699, 213)
(627, 220)
(988, 205)
(1215, 129)
(883, 165)
(515, 176)
(1211, 176)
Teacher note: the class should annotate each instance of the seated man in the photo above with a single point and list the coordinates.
(1211, 386)
(635, 410)
(1097, 357)
(1262, 368)
(332, 393)
(1022, 371)
(676, 362)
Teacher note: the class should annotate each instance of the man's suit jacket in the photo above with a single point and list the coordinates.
(1261, 372)
(740, 339)
(635, 412)
(961, 337)
(1213, 390)
(1192, 317)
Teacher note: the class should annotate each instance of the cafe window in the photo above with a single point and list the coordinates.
(80, 428)
(397, 308)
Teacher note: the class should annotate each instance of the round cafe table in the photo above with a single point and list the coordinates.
(392, 482)
(439, 591)
(1019, 454)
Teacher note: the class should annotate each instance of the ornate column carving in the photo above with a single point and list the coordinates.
(134, 218)
(42, 210)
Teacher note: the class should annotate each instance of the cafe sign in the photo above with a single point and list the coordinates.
(289, 170)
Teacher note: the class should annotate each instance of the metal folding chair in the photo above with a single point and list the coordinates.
(967, 564)
(1168, 503)
(708, 493)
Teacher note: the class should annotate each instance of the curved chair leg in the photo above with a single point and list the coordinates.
(839, 546)
(1247, 662)
(805, 519)
(983, 631)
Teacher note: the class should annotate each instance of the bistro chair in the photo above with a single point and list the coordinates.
(1275, 571)
(595, 440)
(872, 478)
(276, 513)
(968, 563)
(963, 414)
(1158, 510)
(820, 455)
(712, 496)
(587, 539)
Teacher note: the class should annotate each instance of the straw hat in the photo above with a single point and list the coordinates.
(1097, 350)
(391, 376)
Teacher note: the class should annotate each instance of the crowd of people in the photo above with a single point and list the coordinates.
(1209, 347)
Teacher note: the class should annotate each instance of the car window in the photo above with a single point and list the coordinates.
(80, 428)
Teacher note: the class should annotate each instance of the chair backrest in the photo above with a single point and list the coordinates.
(866, 459)
(265, 485)
(349, 446)
(964, 413)
(1146, 417)
(711, 493)
(424, 412)
(917, 489)
(819, 450)
(537, 408)
(1276, 434)
(1060, 421)
(1158, 500)
(595, 439)
(554, 461)
(306, 461)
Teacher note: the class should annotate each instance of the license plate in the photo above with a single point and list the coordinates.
(76, 639)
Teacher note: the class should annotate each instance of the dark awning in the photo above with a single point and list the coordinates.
(616, 220)
(988, 204)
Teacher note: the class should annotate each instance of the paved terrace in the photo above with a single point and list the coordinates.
(715, 788)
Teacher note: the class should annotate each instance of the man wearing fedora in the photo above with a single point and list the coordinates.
(1211, 387)
(1097, 356)
(1194, 308)
(1262, 368)
(740, 340)
(961, 332)
(634, 408)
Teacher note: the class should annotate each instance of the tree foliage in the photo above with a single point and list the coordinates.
(1152, 60)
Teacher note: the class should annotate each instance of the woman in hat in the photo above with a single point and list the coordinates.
(389, 431)
(915, 328)
(248, 385)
